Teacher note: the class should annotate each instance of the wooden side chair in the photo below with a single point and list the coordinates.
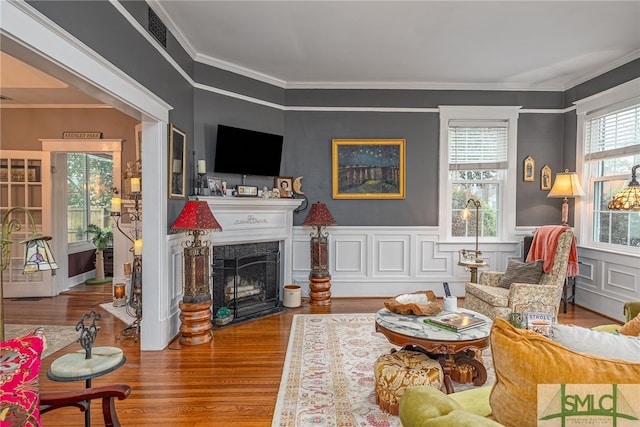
(21, 403)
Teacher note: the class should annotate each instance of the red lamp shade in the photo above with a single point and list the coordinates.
(196, 215)
(319, 215)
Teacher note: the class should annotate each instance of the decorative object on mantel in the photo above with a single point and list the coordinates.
(566, 185)
(37, 254)
(196, 219)
(418, 303)
(298, 193)
(134, 305)
(628, 198)
(529, 168)
(320, 286)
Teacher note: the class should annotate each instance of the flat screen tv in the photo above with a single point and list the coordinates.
(247, 152)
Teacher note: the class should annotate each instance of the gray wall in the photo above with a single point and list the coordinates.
(548, 138)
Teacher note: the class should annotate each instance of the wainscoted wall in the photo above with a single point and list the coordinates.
(606, 281)
(386, 261)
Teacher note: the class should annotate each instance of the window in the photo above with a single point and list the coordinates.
(612, 148)
(478, 159)
(89, 184)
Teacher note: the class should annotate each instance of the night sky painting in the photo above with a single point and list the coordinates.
(372, 169)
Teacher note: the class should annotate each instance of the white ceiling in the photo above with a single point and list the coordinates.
(528, 45)
(533, 45)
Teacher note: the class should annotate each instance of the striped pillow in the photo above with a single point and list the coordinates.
(521, 272)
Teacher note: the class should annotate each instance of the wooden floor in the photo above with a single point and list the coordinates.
(232, 381)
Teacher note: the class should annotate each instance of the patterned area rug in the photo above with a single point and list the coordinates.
(57, 337)
(121, 312)
(327, 378)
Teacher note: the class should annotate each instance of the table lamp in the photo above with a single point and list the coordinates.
(628, 198)
(37, 254)
(196, 219)
(319, 217)
(566, 185)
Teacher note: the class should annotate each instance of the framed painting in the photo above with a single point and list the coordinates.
(545, 178)
(529, 168)
(177, 163)
(368, 168)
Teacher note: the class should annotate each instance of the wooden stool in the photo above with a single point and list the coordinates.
(395, 372)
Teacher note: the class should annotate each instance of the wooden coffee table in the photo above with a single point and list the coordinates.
(460, 354)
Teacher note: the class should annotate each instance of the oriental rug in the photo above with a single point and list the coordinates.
(327, 378)
(57, 337)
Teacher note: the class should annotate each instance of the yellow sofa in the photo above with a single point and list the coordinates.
(522, 360)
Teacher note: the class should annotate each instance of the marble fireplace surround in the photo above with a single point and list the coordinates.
(251, 220)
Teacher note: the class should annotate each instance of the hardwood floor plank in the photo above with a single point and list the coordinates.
(233, 380)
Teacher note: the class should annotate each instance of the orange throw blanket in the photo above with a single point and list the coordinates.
(544, 247)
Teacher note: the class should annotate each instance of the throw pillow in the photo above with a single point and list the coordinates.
(523, 359)
(19, 380)
(631, 328)
(598, 343)
(521, 272)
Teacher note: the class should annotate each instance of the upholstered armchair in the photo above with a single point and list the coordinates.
(21, 403)
(488, 298)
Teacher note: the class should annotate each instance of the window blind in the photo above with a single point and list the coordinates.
(613, 135)
(478, 144)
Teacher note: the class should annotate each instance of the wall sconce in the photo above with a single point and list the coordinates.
(320, 286)
(566, 185)
(466, 215)
(196, 219)
(628, 198)
(37, 254)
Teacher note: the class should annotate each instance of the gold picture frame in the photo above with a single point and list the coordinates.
(545, 178)
(368, 168)
(529, 169)
(177, 163)
(284, 185)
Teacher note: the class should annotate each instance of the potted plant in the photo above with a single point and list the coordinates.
(102, 237)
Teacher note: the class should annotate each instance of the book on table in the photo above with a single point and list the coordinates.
(540, 323)
(455, 322)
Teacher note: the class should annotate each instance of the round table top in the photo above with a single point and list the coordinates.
(414, 326)
(74, 366)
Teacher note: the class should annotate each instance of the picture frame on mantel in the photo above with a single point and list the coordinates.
(368, 168)
(177, 163)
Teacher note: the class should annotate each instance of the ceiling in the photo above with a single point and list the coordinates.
(531, 45)
(525, 45)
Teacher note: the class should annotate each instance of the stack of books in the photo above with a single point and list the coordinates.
(456, 322)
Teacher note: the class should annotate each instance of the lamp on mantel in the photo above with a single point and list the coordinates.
(196, 219)
(37, 254)
(566, 186)
(628, 198)
(320, 286)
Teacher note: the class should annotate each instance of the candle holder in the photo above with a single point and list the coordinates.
(202, 184)
(119, 294)
(134, 303)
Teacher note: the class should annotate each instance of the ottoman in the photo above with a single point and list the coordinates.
(396, 371)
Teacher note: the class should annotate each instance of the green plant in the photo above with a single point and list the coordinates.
(101, 236)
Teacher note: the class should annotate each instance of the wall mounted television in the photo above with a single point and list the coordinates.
(247, 152)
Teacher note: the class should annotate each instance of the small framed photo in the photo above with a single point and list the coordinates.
(285, 185)
(529, 168)
(545, 178)
(215, 186)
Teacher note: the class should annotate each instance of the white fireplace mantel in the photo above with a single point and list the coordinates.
(251, 220)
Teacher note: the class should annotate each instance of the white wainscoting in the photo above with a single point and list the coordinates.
(606, 281)
(386, 261)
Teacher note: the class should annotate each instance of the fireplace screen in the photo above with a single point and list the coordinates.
(246, 278)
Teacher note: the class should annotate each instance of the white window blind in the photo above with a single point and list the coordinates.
(613, 135)
(478, 144)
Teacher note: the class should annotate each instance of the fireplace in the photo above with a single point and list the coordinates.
(246, 278)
